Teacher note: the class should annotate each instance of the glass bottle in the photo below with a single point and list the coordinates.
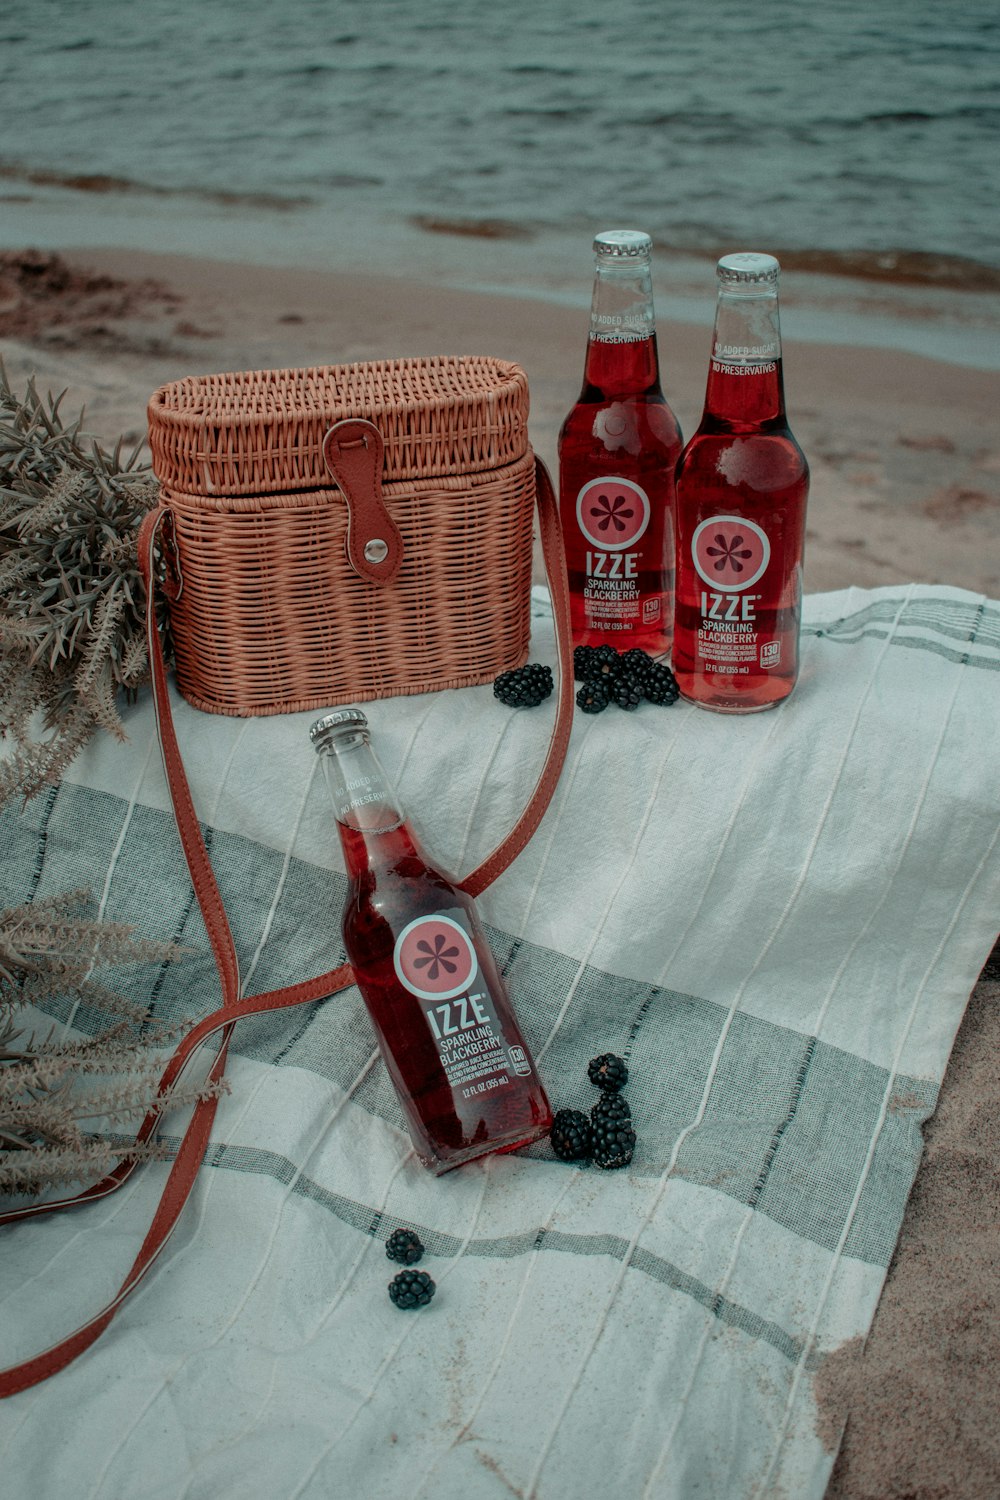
(742, 484)
(618, 449)
(461, 1067)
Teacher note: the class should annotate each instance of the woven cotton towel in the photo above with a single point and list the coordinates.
(777, 919)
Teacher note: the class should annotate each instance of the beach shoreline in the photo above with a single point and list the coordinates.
(944, 307)
(904, 450)
(905, 458)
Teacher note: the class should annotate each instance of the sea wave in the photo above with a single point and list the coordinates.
(894, 267)
(478, 229)
(103, 182)
(898, 267)
(871, 130)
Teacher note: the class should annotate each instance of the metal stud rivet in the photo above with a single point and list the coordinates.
(376, 550)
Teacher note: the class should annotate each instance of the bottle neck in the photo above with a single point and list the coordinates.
(745, 388)
(621, 349)
(365, 805)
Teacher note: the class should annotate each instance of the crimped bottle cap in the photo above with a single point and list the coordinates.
(747, 268)
(622, 244)
(341, 718)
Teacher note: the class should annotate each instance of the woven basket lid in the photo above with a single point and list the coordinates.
(261, 431)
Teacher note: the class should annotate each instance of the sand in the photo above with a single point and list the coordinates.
(921, 1397)
(905, 459)
(904, 451)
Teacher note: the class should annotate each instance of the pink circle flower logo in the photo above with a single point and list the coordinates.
(612, 513)
(730, 552)
(434, 958)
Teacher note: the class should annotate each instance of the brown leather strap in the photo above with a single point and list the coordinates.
(186, 1165)
(555, 568)
(183, 1172)
(353, 452)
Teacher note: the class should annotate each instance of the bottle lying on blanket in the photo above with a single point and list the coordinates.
(461, 1067)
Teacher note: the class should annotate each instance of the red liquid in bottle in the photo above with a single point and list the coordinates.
(618, 449)
(450, 1040)
(742, 484)
(617, 452)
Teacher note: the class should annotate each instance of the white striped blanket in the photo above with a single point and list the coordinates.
(776, 919)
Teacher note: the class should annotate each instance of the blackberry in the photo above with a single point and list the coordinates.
(608, 1072)
(570, 1135)
(525, 687)
(410, 1289)
(611, 1106)
(593, 697)
(583, 663)
(661, 684)
(614, 1143)
(637, 661)
(627, 692)
(404, 1246)
(605, 661)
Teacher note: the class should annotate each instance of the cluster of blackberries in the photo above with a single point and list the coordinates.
(627, 678)
(607, 676)
(408, 1289)
(605, 1136)
(524, 687)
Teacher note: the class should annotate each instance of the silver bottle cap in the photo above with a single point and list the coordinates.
(622, 244)
(747, 268)
(351, 718)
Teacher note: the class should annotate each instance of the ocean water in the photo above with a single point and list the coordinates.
(484, 144)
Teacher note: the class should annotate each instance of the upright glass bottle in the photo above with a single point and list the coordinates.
(461, 1067)
(618, 449)
(742, 484)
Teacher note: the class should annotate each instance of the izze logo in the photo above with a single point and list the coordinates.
(730, 553)
(434, 958)
(612, 513)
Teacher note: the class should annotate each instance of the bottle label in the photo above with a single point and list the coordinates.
(613, 515)
(364, 801)
(745, 359)
(623, 327)
(435, 959)
(730, 555)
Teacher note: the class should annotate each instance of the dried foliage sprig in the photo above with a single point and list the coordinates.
(71, 604)
(51, 1090)
(72, 638)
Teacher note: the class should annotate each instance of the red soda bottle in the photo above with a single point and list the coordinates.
(742, 484)
(618, 449)
(461, 1067)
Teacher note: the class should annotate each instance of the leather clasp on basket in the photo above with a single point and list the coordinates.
(352, 450)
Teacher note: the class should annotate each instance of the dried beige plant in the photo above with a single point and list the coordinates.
(69, 1096)
(72, 629)
(72, 640)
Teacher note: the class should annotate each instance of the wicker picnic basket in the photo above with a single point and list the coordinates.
(347, 532)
